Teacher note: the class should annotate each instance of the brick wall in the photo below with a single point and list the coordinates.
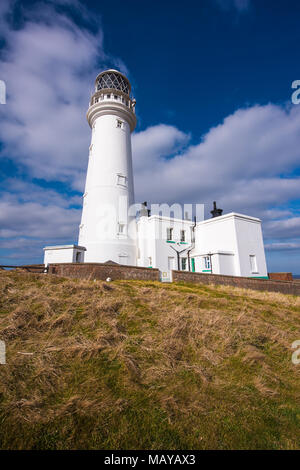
(285, 287)
(103, 271)
(281, 276)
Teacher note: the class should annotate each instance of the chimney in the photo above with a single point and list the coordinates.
(216, 212)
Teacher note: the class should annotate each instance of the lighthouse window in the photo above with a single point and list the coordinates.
(122, 180)
(115, 97)
(107, 96)
(121, 228)
(119, 124)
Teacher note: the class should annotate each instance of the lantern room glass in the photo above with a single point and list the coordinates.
(113, 80)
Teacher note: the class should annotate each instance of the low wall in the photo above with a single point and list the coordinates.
(285, 287)
(281, 276)
(103, 271)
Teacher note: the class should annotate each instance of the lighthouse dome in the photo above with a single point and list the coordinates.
(113, 80)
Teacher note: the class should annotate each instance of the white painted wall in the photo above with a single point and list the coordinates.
(152, 241)
(109, 187)
(250, 242)
(231, 239)
(63, 254)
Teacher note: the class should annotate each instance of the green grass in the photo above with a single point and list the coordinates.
(145, 365)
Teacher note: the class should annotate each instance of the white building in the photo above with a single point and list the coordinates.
(110, 231)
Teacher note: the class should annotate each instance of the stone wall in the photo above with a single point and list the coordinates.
(103, 271)
(285, 287)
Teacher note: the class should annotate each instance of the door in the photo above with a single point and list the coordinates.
(171, 263)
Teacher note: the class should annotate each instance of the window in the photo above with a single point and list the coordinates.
(253, 264)
(115, 97)
(78, 257)
(182, 235)
(119, 124)
(121, 228)
(150, 261)
(169, 234)
(113, 80)
(107, 97)
(207, 262)
(183, 264)
(122, 180)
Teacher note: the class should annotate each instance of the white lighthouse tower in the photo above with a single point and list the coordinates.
(230, 244)
(107, 231)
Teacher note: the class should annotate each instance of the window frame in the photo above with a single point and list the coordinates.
(122, 180)
(183, 263)
(207, 262)
(169, 234)
(253, 264)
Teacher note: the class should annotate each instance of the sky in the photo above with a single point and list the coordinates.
(213, 84)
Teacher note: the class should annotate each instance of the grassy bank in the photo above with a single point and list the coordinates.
(143, 365)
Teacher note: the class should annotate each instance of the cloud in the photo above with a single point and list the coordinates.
(49, 66)
(239, 5)
(291, 246)
(241, 162)
(32, 217)
(248, 163)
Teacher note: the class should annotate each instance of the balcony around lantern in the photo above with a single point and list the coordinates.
(101, 97)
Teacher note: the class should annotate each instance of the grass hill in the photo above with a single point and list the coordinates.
(145, 365)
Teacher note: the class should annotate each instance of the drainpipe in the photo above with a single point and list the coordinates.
(193, 244)
(178, 256)
(211, 267)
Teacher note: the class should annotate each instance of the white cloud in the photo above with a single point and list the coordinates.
(49, 67)
(240, 162)
(289, 246)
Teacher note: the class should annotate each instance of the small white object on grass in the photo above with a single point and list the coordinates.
(108, 279)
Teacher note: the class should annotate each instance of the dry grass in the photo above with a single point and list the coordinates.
(145, 365)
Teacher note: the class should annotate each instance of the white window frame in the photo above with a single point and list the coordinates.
(207, 262)
(182, 235)
(253, 264)
(121, 228)
(170, 234)
(119, 124)
(122, 180)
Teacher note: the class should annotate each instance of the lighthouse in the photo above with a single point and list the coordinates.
(114, 229)
(107, 230)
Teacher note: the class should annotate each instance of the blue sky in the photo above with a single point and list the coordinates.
(212, 80)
